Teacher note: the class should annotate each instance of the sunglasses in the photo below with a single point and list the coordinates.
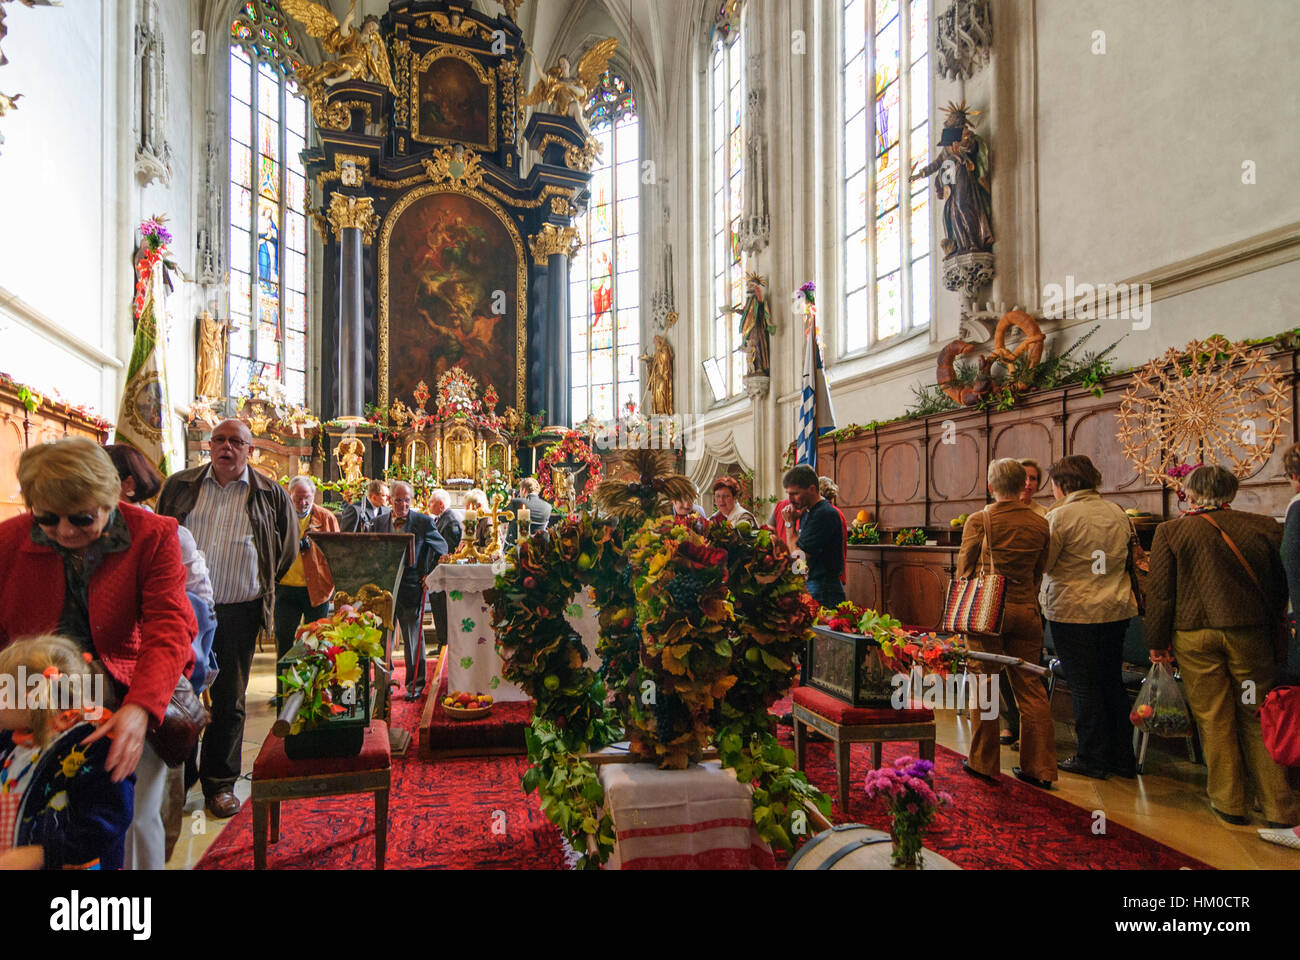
(76, 519)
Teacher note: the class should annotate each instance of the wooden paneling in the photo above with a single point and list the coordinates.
(910, 583)
(21, 428)
(923, 473)
(926, 472)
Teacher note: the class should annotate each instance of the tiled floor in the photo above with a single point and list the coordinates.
(1167, 803)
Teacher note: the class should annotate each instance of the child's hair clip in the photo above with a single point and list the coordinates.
(51, 672)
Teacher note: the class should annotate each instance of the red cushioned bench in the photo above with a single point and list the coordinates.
(845, 725)
(276, 778)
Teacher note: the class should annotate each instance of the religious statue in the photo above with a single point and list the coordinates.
(755, 329)
(209, 377)
(963, 185)
(562, 479)
(349, 455)
(566, 94)
(458, 454)
(512, 8)
(359, 54)
(660, 376)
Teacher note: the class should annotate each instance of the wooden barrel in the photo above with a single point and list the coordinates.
(851, 846)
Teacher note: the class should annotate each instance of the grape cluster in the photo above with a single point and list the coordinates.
(685, 588)
(672, 719)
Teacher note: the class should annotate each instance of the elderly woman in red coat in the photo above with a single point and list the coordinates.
(104, 574)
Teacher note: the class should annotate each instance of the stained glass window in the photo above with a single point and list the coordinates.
(605, 279)
(268, 188)
(886, 218)
(727, 97)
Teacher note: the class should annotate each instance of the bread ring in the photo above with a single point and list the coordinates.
(1031, 345)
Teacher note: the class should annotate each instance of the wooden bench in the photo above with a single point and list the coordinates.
(276, 778)
(845, 725)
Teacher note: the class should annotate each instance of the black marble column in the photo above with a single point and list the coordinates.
(558, 393)
(351, 329)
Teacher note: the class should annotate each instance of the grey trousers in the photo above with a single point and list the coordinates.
(410, 622)
(146, 839)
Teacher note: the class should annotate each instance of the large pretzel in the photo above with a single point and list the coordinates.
(1031, 345)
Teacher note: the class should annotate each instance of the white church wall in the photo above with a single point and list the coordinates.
(57, 164)
(66, 273)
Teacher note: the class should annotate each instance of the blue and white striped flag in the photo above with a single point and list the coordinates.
(816, 416)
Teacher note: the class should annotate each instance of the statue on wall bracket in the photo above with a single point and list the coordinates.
(963, 185)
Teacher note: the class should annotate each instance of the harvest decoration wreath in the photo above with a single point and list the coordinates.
(700, 624)
(573, 447)
(1210, 401)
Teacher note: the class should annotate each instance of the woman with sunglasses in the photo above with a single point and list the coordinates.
(106, 575)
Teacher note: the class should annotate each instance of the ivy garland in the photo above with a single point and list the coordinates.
(573, 447)
(700, 624)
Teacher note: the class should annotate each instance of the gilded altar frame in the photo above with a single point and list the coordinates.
(487, 75)
(521, 280)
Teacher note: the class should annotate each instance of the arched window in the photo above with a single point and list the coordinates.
(727, 96)
(887, 219)
(268, 224)
(604, 296)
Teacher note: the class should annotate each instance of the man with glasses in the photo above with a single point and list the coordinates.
(247, 528)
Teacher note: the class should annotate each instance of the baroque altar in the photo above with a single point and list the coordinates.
(439, 254)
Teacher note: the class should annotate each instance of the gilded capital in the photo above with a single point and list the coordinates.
(554, 240)
(355, 213)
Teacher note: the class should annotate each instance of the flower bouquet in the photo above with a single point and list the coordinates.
(325, 683)
(910, 537)
(909, 785)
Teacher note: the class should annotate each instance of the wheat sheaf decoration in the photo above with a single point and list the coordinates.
(1211, 401)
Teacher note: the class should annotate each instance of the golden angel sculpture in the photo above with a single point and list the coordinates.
(566, 93)
(359, 54)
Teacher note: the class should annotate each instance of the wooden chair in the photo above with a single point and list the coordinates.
(276, 778)
(846, 725)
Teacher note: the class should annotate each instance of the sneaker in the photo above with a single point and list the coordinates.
(1287, 837)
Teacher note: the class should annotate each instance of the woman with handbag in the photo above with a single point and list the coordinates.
(1007, 543)
(1088, 601)
(1215, 598)
(108, 576)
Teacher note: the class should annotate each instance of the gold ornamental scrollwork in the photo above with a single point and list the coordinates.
(328, 116)
(356, 213)
(455, 164)
(554, 240)
(561, 207)
(576, 159)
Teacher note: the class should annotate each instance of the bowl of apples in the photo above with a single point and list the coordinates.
(467, 706)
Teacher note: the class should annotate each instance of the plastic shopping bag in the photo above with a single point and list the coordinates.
(1160, 708)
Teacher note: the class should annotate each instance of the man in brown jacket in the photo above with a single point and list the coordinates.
(1217, 617)
(245, 525)
(1018, 544)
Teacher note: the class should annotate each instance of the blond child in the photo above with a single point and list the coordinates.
(59, 807)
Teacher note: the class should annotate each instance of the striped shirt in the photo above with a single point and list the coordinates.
(221, 528)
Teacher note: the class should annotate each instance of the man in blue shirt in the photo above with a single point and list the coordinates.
(813, 529)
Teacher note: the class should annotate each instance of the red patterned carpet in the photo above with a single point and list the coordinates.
(450, 814)
(447, 815)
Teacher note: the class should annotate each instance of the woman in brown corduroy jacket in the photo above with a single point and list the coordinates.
(1205, 609)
